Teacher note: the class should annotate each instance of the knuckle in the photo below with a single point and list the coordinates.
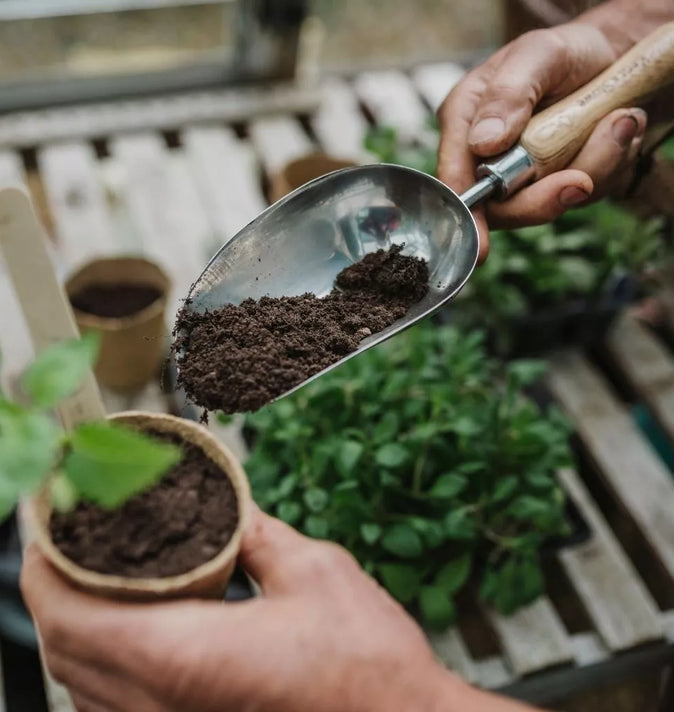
(323, 561)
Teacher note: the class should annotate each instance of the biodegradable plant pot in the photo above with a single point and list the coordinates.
(209, 580)
(133, 345)
(302, 170)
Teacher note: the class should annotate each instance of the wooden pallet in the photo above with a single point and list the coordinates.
(610, 606)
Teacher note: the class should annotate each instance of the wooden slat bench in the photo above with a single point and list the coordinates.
(609, 609)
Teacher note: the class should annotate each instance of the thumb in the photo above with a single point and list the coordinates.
(266, 547)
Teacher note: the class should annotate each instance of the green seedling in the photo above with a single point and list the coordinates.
(423, 458)
(100, 462)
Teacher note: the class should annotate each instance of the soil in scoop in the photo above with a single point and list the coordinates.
(238, 358)
(114, 300)
(178, 524)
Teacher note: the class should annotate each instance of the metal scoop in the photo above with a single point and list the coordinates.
(303, 241)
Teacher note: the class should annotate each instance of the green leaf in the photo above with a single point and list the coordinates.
(437, 608)
(370, 532)
(316, 499)
(348, 456)
(448, 485)
(59, 370)
(109, 463)
(504, 488)
(459, 524)
(29, 448)
(526, 371)
(289, 512)
(540, 480)
(402, 541)
(518, 582)
(528, 507)
(391, 455)
(402, 581)
(454, 574)
(316, 527)
(465, 426)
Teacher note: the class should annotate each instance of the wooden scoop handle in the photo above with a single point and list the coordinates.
(554, 136)
(45, 306)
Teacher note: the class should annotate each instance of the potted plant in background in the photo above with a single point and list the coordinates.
(425, 460)
(123, 298)
(550, 285)
(139, 506)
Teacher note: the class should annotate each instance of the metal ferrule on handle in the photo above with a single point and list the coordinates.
(502, 177)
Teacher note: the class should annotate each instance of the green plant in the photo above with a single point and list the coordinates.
(102, 462)
(425, 460)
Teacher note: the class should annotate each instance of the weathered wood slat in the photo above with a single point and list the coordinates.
(227, 175)
(393, 101)
(15, 343)
(172, 225)
(533, 638)
(647, 365)
(493, 673)
(338, 123)
(609, 586)
(77, 202)
(435, 81)
(168, 112)
(452, 652)
(588, 649)
(279, 140)
(627, 462)
(11, 169)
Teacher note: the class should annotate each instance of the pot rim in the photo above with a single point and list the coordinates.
(39, 509)
(119, 323)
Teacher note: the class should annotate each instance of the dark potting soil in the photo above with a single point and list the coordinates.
(238, 358)
(180, 523)
(114, 300)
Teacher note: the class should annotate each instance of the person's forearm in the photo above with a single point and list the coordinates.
(625, 22)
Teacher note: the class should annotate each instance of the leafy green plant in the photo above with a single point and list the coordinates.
(425, 460)
(101, 462)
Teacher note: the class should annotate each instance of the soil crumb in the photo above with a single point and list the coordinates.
(238, 358)
(181, 522)
(114, 300)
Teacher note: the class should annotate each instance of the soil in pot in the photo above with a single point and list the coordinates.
(180, 523)
(240, 357)
(114, 300)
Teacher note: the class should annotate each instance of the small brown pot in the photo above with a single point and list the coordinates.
(302, 170)
(206, 581)
(132, 347)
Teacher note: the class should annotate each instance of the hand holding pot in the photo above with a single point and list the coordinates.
(324, 637)
(488, 110)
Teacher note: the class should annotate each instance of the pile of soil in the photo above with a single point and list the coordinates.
(114, 300)
(238, 358)
(181, 522)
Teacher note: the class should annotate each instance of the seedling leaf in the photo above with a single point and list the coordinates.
(59, 370)
(109, 463)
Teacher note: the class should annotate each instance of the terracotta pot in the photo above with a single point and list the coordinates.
(208, 580)
(132, 347)
(302, 170)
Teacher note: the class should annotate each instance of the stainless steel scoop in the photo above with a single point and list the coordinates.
(300, 243)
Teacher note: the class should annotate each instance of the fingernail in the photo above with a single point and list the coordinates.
(487, 130)
(625, 129)
(571, 195)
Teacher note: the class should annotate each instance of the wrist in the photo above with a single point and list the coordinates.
(431, 688)
(624, 22)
